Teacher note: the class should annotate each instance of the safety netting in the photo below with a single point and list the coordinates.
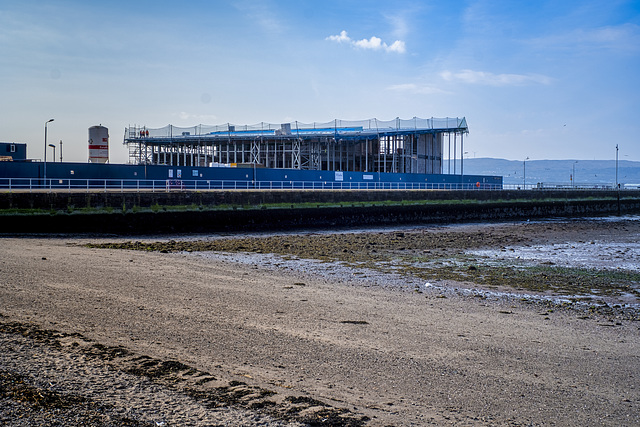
(447, 124)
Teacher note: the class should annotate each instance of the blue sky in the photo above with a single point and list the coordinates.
(538, 79)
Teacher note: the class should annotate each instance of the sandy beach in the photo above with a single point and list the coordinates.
(243, 335)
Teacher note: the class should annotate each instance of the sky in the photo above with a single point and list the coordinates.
(537, 79)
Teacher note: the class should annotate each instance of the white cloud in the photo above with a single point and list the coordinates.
(342, 37)
(491, 79)
(416, 89)
(397, 46)
(373, 43)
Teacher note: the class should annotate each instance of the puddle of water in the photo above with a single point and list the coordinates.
(594, 254)
(625, 301)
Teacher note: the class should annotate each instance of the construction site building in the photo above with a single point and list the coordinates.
(415, 146)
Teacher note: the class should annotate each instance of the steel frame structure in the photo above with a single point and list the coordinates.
(397, 146)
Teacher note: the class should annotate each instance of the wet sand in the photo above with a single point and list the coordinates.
(139, 338)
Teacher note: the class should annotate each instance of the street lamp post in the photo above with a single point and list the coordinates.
(60, 151)
(54, 151)
(462, 166)
(45, 150)
(524, 173)
(617, 185)
(573, 175)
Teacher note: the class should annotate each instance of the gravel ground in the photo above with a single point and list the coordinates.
(56, 379)
(261, 332)
(54, 385)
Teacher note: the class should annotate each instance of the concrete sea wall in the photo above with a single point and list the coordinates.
(193, 212)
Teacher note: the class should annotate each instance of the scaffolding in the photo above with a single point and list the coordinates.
(396, 146)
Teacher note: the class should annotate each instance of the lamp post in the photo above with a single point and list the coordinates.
(45, 150)
(617, 185)
(524, 173)
(54, 151)
(573, 175)
(462, 164)
(60, 151)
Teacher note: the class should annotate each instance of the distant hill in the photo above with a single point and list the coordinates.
(554, 171)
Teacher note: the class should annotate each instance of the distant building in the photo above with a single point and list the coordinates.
(13, 152)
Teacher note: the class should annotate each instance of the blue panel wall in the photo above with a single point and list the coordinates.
(16, 150)
(268, 178)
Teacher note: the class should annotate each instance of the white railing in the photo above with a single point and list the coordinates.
(74, 185)
(559, 186)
